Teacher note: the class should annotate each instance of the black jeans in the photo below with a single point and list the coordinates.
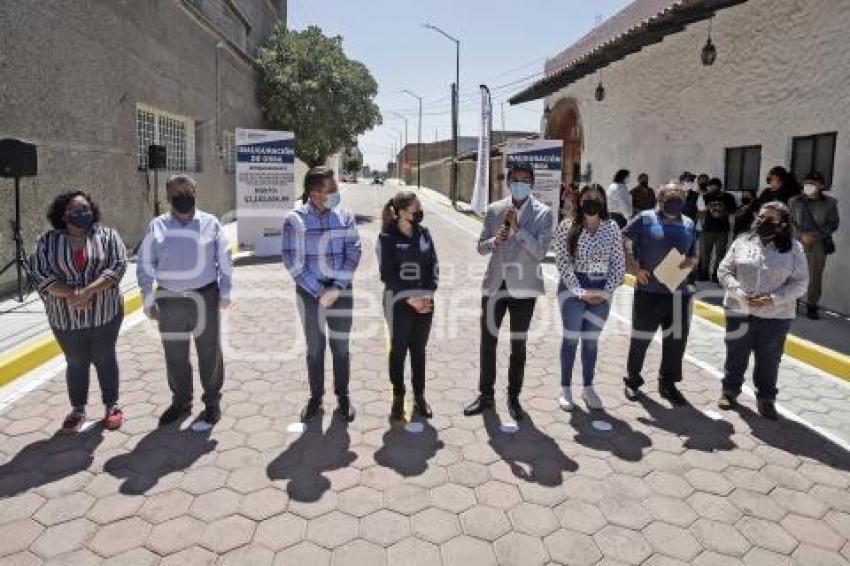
(493, 310)
(323, 326)
(763, 337)
(409, 331)
(86, 347)
(651, 311)
(187, 316)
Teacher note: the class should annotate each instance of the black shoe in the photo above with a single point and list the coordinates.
(421, 406)
(768, 410)
(632, 393)
(812, 312)
(309, 412)
(670, 392)
(210, 415)
(515, 409)
(175, 413)
(397, 409)
(727, 401)
(478, 406)
(345, 410)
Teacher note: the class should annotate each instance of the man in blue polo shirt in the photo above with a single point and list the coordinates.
(653, 234)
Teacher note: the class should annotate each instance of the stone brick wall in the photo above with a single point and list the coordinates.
(72, 75)
(782, 71)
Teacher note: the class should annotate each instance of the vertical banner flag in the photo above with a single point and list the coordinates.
(545, 157)
(481, 192)
(265, 187)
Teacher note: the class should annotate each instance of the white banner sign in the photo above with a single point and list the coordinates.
(265, 187)
(481, 192)
(545, 157)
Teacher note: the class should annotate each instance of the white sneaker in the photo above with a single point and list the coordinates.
(592, 399)
(565, 401)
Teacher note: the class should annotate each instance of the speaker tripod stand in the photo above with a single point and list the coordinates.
(20, 260)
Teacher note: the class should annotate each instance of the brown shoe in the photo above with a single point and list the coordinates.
(727, 401)
(767, 409)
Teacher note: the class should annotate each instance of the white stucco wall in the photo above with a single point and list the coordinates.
(783, 70)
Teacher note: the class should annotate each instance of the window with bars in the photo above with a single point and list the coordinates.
(742, 167)
(176, 133)
(228, 151)
(811, 154)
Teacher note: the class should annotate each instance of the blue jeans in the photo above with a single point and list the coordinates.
(581, 321)
(322, 327)
(763, 337)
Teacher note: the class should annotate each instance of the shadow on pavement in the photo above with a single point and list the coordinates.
(701, 432)
(50, 460)
(162, 451)
(621, 441)
(794, 438)
(532, 455)
(314, 452)
(408, 453)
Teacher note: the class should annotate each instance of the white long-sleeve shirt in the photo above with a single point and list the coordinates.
(619, 200)
(598, 254)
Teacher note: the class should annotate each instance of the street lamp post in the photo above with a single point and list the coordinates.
(418, 140)
(455, 109)
(404, 147)
(398, 141)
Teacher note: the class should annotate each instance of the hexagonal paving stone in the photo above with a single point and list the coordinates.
(806, 554)
(799, 502)
(384, 527)
(201, 480)
(766, 534)
(670, 510)
(20, 506)
(332, 530)
(249, 555)
(135, 556)
(226, 534)
(709, 482)
(580, 516)
(669, 484)
(116, 538)
(114, 507)
(622, 544)
(61, 509)
(464, 551)
(517, 549)
(303, 554)
(406, 499)
(672, 541)
(451, 497)
(812, 531)
(569, 547)
(757, 504)
(470, 474)
(498, 494)
(165, 506)
(175, 535)
(484, 522)
(18, 535)
(263, 504)
(761, 557)
(411, 551)
(720, 537)
(360, 501)
(313, 508)
(533, 519)
(215, 505)
(435, 525)
(280, 532)
(714, 507)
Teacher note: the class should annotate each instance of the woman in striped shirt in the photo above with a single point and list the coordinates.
(77, 267)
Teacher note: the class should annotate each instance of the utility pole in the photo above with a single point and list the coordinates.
(404, 147)
(503, 121)
(455, 110)
(418, 140)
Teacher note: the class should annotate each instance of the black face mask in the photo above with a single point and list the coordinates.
(591, 207)
(417, 217)
(183, 203)
(766, 228)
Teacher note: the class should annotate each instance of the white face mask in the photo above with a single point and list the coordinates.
(811, 190)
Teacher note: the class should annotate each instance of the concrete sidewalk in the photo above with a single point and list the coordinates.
(638, 483)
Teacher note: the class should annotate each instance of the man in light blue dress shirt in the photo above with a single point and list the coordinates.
(187, 254)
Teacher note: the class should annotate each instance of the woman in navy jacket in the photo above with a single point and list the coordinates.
(409, 270)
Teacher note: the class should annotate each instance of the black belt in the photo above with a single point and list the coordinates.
(186, 292)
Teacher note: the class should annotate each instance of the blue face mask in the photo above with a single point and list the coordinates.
(333, 200)
(81, 218)
(673, 206)
(519, 190)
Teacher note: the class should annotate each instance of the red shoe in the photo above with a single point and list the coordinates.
(114, 419)
(73, 422)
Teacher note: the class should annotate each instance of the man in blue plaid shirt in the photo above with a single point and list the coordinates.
(321, 250)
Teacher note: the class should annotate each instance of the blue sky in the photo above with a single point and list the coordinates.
(502, 42)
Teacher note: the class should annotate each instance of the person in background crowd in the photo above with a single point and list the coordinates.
(743, 220)
(321, 251)
(764, 274)
(619, 198)
(187, 253)
(693, 193)
(591, 264)
(814, 217)
(409, 270)
(516, 235)
(782, 187)
(654, 233)
(720, 206)
(569, 191)
(702, 183)
(643, 196)
(77, 267)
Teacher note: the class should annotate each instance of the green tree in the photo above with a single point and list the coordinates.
(307, 85)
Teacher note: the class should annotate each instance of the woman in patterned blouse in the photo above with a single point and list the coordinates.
(591, 265)
(77, 267)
